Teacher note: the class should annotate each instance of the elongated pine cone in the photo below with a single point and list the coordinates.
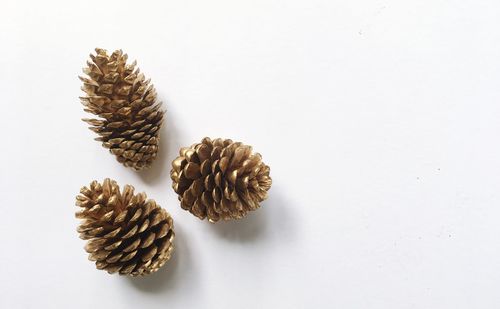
(220, 179)
(126, 233)
(130, 115)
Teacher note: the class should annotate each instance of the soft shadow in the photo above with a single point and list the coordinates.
(160, 167)
(248, 229)
(272, 219)
(169, 276)
(282, 217)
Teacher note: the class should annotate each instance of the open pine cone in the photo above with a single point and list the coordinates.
(130, 115)
(220, 179)
(126, 233)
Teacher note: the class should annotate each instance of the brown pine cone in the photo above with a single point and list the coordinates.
(130, 115)
(126, 233)
(220, 179)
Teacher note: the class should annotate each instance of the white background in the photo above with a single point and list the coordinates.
(380, 121)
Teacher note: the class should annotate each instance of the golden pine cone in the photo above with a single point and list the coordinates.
(126, 233)
(220, 179)
(130, 115)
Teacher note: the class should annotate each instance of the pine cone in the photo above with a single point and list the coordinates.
(127, 233)
(130, 115)
(220, 179)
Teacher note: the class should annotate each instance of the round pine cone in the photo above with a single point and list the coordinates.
(126, 233)
(130, 115)
(220, 179)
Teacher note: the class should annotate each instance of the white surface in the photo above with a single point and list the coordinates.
(380, 121)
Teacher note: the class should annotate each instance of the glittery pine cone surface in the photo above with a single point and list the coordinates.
(127, 107)
(220, 179)
(126, 233)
